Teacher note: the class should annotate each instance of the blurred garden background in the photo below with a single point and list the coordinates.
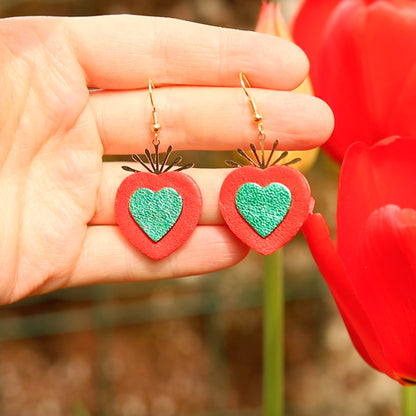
(190, 346)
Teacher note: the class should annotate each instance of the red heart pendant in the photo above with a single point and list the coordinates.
(265, 208)
(160, 219)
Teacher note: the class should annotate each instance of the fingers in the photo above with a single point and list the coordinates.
(202, 118)
(108, 257)
(208, 180)
(122, 52)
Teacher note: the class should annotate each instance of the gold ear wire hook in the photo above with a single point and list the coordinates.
(257, 117)
(246, 84)
(156, 126)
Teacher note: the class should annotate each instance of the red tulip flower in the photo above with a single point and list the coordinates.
(372, 270)
(363, 64)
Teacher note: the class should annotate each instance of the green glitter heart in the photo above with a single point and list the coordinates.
(263, 208)
(156, 212)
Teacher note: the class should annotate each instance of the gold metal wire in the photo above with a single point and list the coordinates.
(257, 117)
(156, 126)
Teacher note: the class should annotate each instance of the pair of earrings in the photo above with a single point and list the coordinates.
(264, 204)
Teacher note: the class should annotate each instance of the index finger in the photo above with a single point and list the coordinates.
(123, 52)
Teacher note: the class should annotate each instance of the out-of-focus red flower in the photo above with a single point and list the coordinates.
(372, 270)
(271, 21)
(363, 64)
(310, 24)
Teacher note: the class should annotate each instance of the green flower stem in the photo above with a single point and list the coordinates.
(273, 340)
(409, 401)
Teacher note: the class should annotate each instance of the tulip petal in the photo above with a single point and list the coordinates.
(309, 25)
(355, 318)
(266, 21)
(388, 65)
(403, 115)
(338, 79)
(385, 283)
(372, 177)
(363, 65)
(271, 21)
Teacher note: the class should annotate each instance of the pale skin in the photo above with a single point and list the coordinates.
(57, 225)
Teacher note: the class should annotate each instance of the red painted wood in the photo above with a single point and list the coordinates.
(301, 206)
(184, 226)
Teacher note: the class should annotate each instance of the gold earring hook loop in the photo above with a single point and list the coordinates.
(257, 117)
(156, 126)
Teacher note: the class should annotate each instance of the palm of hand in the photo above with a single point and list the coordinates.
(57, 221)
(50, 161)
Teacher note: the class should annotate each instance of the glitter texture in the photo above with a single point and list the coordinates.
(263, 208)
(156, 212)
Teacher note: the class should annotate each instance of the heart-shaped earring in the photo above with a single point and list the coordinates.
(265, 204)
(159, 209)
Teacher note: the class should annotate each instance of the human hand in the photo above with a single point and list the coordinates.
(58, 224)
